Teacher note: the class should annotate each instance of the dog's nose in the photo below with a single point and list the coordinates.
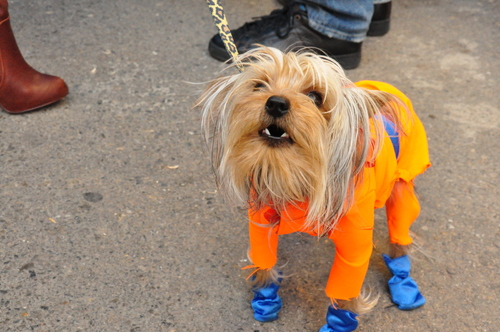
(277, 106)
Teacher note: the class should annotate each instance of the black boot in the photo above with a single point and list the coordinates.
(288, 30)
(381, 19)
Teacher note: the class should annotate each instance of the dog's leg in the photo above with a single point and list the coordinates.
(266, 303)
(338, 319)
(402, 210)
(263, 278)
(359, 305)
(266, 280)
(353, 251)
(342, 314)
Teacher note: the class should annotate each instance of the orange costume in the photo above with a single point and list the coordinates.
(354, 231)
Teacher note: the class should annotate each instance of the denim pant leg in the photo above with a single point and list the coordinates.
(342, 19)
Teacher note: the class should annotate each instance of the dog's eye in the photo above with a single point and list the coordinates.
(258, 86)
(316, 98)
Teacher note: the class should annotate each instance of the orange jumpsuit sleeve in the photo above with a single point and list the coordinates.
(263, 251)
(265, 227)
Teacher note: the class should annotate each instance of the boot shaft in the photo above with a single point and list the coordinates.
(4, 13)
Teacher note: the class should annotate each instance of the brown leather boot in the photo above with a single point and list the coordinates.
(22, 88)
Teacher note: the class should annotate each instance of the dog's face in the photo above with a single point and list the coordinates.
(286, 129)
(277, 131)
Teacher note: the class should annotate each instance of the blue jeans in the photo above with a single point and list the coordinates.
(342, 19)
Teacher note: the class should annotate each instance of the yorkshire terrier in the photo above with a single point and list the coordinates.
(307, 150)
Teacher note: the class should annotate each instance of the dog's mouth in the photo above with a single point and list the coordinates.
(275, 134)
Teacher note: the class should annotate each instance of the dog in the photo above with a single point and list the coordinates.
(307, 150)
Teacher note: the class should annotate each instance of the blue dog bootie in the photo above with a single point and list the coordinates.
(339, 320)
(404, 290)
(266, 303)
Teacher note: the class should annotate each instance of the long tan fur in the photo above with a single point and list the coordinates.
(331, 143)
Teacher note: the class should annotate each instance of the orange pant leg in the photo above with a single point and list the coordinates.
(353, 238)
(402, 209)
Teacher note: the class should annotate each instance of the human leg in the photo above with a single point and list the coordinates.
(380, 20)
(343, 19)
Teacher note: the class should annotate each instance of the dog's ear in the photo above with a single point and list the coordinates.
(214, 93)
(349, 129)
(361, 112)
(214, 103)
(354, 139)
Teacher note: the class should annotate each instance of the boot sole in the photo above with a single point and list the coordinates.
(218, 53)
(379, 28)
(347, 61)
(32, 108)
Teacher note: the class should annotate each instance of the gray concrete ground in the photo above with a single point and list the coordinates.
(109, 220)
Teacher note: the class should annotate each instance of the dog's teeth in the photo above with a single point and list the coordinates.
(284, 135)
(267, 132)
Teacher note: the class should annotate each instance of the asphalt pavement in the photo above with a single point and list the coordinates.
(109, 215)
